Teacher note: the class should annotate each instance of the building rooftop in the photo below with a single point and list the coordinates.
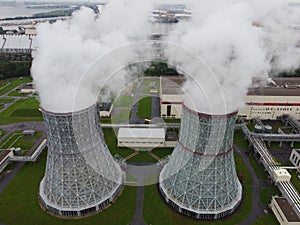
(172, 84)
(279, 86)
(171, 136)
(14, 41)
(141, 133)
(105, 106)
(287, 209)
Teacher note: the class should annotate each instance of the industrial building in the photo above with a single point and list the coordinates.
(106, 109)
(265, 100)
(141, 137)
(279, 96)
(28, 88)
(200, 178)
(171, 95)
(146, 138)
(81, 176)
(284, 212)
(17, 47)
(295, 157)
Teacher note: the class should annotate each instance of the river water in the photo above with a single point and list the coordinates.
(13, 11)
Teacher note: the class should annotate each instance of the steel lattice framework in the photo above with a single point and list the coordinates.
(81, 176)
(200, 178)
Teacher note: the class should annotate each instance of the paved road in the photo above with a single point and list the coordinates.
(142, 171)
(257, 208)
(134, 119)
(155, 107)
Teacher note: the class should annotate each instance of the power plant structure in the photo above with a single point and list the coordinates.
(200, 178)
(81, 175)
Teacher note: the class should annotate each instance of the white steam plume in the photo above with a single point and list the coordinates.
(236, 41)
(68, 51)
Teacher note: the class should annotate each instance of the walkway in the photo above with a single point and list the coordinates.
(257, 208)
(143, 171)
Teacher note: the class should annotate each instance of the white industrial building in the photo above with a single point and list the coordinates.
(284, 212)
(17, 42)
(141, 137)
(281, 175)
(171, 95)
(295, 157)
(278, 96)
(106, 109)
(28, 88)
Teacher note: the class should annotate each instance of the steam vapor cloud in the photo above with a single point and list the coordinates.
(221, 48)
(69, 52)
(230, 42)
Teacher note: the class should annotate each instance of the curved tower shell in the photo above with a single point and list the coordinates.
(81, 175)
(200, 178)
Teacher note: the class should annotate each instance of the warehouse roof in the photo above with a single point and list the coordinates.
(287, 209)
(8, 41)
(172, 84)
(141, 133)
(279, 86)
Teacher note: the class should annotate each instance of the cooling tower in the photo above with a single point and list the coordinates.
(81, 176)
(200, 178)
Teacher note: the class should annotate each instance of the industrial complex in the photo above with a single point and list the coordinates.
(267, 99)
(90, 158)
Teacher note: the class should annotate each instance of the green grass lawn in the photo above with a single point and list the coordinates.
(239, 139)
(123, 101)
(156, 212)
(111, 141)
(162, 152)
(6, 100)
(14, 83)
(148, 90)
(274, 146)
(147, 82)
(143, 156)
(3, 84)
(258, 168)
(172, 120)
(266, 194)
(22, 110)
(17, 93)
(123, 116)
(2, 132)
(269, 219)
(275, 125)
(105, 120)
(10, 139)
(295, 180)
(26, 143)
(297, 145)
(21, 196)
(16, 139)
(250, 126)
(144, 107)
